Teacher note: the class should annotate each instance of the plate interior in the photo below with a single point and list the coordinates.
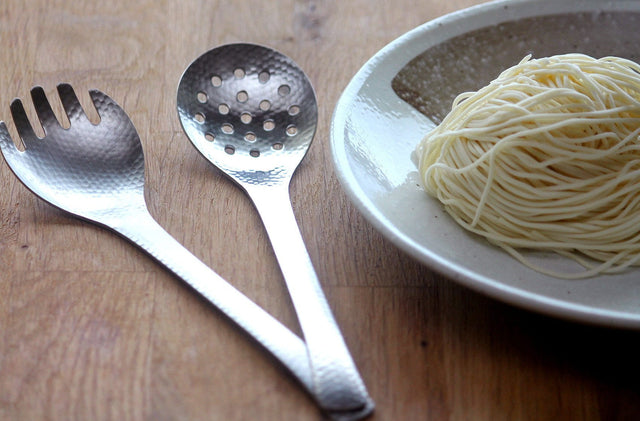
(470, 61)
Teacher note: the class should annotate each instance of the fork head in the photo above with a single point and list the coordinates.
(95, 171)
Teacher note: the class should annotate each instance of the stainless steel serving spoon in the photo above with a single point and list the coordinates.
(96, 172)
(252, 112)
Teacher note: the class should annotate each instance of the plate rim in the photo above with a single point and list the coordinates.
(450, 25)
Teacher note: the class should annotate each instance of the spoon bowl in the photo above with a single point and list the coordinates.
(249, 110)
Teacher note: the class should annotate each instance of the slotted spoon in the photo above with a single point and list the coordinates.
(96, 172)
(252, 112)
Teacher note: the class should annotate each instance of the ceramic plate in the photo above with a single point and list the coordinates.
(407, 87)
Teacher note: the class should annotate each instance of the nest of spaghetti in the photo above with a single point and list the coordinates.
(546, 157)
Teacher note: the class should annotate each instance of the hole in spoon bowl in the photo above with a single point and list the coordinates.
(284, 90)
(294, 110)
(268, 125)
(227, 128)
(223, 109)
(265, 104)
(264, 76)
(246, 118)
(292, 130)
(242, 96)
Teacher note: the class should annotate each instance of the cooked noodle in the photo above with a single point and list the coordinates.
(546, 157)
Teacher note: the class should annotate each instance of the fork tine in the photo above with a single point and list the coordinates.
(105, 105)
(6, 143)
(71, 103)
(23, 125)
(43, 108)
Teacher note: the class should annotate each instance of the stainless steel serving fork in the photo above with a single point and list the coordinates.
(96, 172)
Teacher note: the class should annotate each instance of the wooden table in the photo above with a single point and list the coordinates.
(93, 329)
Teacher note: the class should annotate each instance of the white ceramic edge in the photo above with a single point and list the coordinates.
(451, 25)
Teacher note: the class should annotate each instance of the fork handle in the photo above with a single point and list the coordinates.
(140, 228)
(337, 383)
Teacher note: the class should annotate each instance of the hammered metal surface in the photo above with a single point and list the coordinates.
(96, 172)
(86, 169)
(249, 110)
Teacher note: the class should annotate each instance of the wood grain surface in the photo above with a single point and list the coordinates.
(93, 329)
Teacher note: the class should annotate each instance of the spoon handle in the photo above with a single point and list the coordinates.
(144, 231)
(337, 384)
